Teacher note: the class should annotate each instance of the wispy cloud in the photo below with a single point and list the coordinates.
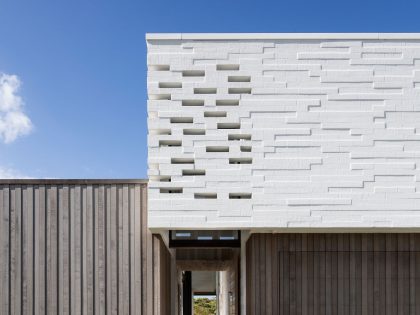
(9, 173)
(13, 120)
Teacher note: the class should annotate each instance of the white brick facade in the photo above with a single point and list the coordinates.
(310, 131)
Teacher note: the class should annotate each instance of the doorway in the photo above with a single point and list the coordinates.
(200, 296)
(208, 285)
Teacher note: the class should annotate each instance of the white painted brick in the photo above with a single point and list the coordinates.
(334, 125)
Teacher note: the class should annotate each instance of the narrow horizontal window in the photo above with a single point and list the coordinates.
(227, 102)
(165, 178)
(171, 190)
(192, 102)
(246, 148)
(204, 234)
(237, 78)
(203, 237)
(159, 67)
(170, 85)
(193, 172)
(159, 97)
(165, 132)
(194, 132)
(205, 196)
(181, 120)
(240, 90)
(205, 90)
(215, 114)
(193, 73)
(160, 178)
(228, 125)
(239, 137)
(170, 143)
(182, 234)
(217, 149)
(240, 160)
(226, 67)
(182, 161)
(226, 238)
(240, 196)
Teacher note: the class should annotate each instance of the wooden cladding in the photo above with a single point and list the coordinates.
(367, 274)
(79, 248)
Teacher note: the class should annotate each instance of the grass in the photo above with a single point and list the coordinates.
(204, 306)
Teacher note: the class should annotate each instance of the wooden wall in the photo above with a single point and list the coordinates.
(79, 247)
(364, 274)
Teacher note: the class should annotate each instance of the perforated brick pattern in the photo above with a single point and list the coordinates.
(284, 133)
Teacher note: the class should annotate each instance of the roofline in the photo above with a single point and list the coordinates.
(33, 181)
(274, 36)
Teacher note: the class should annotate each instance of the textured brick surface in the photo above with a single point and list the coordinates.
(332, 126)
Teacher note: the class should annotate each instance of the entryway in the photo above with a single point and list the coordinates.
(209, 287)
(207, 292)
(207, 272)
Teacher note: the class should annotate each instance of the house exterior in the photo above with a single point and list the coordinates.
(309, 144)
(283, 179)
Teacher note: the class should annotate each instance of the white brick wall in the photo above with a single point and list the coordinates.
(333, 126)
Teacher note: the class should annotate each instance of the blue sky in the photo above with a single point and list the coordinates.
(82, 69)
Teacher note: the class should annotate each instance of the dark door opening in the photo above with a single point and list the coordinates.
(186, 293)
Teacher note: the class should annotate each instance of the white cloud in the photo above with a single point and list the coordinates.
(13, 120)
(9, 173)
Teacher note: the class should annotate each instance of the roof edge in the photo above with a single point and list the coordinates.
(34, 181)
(274, 36)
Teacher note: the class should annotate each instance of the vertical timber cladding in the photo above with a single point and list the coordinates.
(80, 247)
(333, 274)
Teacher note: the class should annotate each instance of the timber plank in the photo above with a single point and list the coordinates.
(40, 250)
(52, 250)
(4, 248)
(75, 250)
(27, 246)
(63, 251)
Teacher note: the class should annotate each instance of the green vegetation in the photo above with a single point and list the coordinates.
(204, 306)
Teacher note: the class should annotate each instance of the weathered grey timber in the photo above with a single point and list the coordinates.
(79, 247)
